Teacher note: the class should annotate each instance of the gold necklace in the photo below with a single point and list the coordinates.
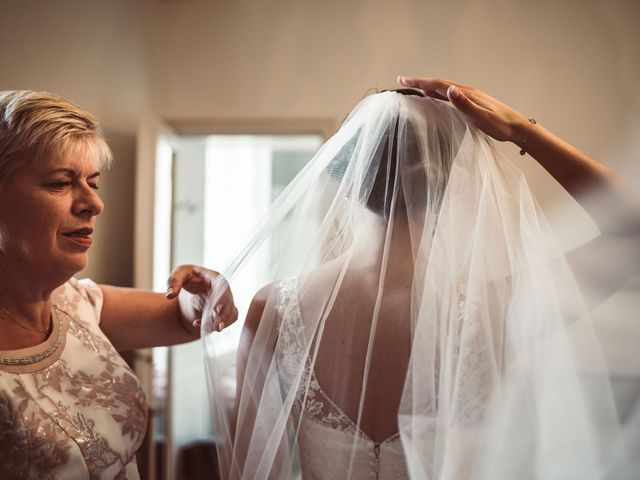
(30, 360)
(8, 315)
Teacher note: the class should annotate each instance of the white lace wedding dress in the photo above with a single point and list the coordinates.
(330, 444)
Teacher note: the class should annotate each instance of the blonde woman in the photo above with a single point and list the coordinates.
(70, 407)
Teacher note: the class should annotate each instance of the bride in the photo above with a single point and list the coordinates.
(417, 316)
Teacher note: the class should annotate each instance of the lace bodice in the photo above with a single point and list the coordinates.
(330, 444)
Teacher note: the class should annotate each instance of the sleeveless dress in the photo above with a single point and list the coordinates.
(330, 444)
(76, 413)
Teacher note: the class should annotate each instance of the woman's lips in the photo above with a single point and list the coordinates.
(81, 236)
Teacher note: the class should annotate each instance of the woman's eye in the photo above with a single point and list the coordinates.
(59, 185)
(94, 186)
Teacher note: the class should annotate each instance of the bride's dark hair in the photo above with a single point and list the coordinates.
(381, 183)
(379, 199)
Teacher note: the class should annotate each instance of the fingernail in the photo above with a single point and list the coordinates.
(400, 79)
(218, 308)
(197, 323)
(221, 326)
(169, 292)
(452, 92)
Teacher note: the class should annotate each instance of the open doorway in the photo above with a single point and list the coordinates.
(216, 187)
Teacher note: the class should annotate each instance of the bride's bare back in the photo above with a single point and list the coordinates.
(367, 327)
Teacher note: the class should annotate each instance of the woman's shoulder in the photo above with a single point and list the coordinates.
(86, 288)
(79, 295)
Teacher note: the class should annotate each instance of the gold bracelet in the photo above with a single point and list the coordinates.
(532, 122)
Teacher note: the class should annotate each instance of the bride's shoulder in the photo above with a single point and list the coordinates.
(263, 308)
(257, 307)
(272, 297)
(323, 275)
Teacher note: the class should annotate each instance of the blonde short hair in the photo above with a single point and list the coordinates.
(36, 125)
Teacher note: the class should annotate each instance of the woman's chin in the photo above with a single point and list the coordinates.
(75, 264)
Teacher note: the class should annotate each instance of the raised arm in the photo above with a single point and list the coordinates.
(603, 264)
(133, 318)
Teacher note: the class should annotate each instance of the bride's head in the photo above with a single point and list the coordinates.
(395, 151)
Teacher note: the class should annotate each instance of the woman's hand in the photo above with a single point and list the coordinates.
(488, 114)
(195, 286)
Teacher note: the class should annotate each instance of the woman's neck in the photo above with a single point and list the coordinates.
(26, 301)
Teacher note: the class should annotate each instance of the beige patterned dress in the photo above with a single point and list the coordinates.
(76, 410)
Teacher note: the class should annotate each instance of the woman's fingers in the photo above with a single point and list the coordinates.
(218, 309)
(439, 88)
(226, 317)
(213, 321)
(461, 97)
(224, 313)
(211, 302)
(434, 87)
(485, 112)
(177, 278)
(190, 277)
(463, 103)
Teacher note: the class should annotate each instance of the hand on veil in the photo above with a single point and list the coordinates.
(602, 265)
(485, 112)
(195, 286)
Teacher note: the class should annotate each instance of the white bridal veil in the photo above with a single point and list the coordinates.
(413, 317)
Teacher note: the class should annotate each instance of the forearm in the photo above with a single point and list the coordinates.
(133, 318)
(612, 204)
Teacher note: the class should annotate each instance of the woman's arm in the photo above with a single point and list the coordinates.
(603, 264)
(133, 318)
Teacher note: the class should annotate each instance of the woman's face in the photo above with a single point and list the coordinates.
(47, 215)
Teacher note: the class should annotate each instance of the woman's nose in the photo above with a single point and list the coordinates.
(88, 202)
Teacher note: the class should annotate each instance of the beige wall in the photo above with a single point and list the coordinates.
(90, 52)
(574, 65)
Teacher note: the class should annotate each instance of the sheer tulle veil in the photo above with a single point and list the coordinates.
(408, 314)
